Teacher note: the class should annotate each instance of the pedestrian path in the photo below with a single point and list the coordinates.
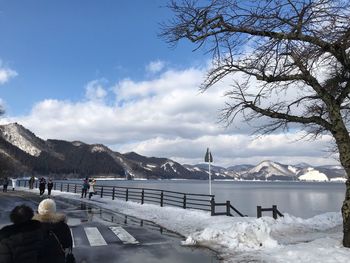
(101, 236)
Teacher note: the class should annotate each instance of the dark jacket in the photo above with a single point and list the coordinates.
(57, 224)
(21, 242)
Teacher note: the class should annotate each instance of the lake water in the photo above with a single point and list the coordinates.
(302, 199)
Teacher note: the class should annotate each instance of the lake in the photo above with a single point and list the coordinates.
(302, 199)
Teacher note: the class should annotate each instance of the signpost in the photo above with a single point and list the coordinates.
(209, 159)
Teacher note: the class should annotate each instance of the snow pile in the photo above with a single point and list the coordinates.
(240, 234)
(313, 175)
(236, 239)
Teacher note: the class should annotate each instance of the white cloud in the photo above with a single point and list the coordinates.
(6, 74)
(166, 116)
(95, 91)
(155, 66)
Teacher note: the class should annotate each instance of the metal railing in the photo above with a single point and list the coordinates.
(161, 197)
(273, 209)
(142, 195)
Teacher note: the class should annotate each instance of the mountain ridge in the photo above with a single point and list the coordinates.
(22, 153)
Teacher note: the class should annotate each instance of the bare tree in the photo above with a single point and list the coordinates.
(297, 51)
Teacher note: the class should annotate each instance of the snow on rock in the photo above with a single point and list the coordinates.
(12, 134)
(77, 143)
(313, 175)
(293, 169)
(98, 148)
(168, 166)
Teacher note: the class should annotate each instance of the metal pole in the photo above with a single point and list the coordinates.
(209, 179)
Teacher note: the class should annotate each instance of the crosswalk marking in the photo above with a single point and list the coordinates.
(94, 236)
(71, 232)
(123, 235)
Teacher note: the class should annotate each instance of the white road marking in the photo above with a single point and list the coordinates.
(123, 235)
(94, 236)
(71, 232)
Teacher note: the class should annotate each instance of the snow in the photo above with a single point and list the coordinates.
(235, 239)
(77, 143)
(271, 169)
(294, 170)
(12, 134)
(98, 148)
(168, 166)
(313, 175)
(338, 179)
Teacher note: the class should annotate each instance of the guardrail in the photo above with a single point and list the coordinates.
(161, 197)
(142, 195)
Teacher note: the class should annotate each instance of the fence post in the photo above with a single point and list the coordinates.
(127, 194)
(61, 187)
(25, 183)
(228, 208)
(113, 193)
(68, 188)
(161, 199)
(101, 191)
(184, 202)
(258, 211)
(274, 211)
(142, 196)
(212, 206)
(75, 188)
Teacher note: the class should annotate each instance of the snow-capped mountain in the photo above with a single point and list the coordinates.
(268, 170)
(22, 138)
(23, 153)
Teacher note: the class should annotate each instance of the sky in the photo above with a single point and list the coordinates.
(98, 72)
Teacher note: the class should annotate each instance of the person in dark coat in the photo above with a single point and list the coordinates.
(42, 185)
(22, 241)
(54, 223)
(5, 184)
(85, 187)
(49, 187)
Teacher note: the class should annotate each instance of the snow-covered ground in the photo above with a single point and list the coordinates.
(237, 239)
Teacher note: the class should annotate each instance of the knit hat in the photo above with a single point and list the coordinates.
(47, 206)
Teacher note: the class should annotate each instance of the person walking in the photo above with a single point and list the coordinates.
(92, 188)
(5, 184)
(21, 242)
(31, 182)
(49, 186)
(42, 185)
(55, 226)
(14, 182)
(85, 187)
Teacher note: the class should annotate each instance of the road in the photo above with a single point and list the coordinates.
(104, 236)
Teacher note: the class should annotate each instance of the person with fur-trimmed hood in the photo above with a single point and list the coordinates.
(55, 224)
(22, 241)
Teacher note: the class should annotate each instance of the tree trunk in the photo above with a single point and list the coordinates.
(342, 138)
(346, 216)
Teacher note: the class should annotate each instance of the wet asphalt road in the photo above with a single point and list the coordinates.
(152, 243)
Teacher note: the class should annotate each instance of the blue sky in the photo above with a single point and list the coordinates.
(58, 46)
(96, 71)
